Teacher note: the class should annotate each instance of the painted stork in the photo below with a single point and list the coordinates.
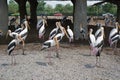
(114, 37)
(41, 27)
(24, 32)
(70, 34)
(48, 44)
(114, 41)
(54, 31)
(59, 37)
(55, 41)
(113, 32)
(11, 47)
(17, 39)
(82, 31)
(99, 46)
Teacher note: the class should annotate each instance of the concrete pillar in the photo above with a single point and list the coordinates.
(3, 16)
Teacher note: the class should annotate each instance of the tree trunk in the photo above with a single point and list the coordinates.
(22, 8)
(23, 12)
(33, 16)
(118, 13)
(3, 16)
(80, 17)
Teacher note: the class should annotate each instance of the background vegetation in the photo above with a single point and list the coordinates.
(44, 9)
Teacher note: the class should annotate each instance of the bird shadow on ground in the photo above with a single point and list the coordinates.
(89, 66)
(41, 63)
(86, 54)
(5, 64)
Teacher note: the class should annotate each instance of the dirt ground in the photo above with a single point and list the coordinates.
(74, 64)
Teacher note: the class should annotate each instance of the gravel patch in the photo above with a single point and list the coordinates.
(74, 64)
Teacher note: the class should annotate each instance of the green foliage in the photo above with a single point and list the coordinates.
(111, 8)
(49, 10)
(28, 8)
(59, 8)
(12, 7)
(64, 9)
(100, 9)
(68, 9)
(41, 7)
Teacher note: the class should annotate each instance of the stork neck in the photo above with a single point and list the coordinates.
(116, 26)
(102, 33)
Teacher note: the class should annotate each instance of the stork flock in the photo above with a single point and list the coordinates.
(96, 40)
(18, 36)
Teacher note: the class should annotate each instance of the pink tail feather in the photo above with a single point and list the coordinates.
(95, 50)
(110, 42)
(40, 36)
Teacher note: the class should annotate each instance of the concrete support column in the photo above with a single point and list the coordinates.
(3, 16)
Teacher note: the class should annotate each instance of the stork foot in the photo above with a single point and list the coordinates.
(13, 64)
(57, 55)
(23, 54)
(50, 63)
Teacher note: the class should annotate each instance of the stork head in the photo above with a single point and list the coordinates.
(9, 31)
(45, 21)
(68, 27)
(102, 29)
(90, 31)
(57, 24)
(117, 25)
(1, 33)
(99, 25)
(82, 29)
(25, 22)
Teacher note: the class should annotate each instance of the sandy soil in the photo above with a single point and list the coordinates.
(74, 64)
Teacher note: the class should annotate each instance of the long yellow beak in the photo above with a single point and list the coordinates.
(28, 25)
(7, 35)
(45, 21)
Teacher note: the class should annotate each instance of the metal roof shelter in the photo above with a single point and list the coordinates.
(116, 2)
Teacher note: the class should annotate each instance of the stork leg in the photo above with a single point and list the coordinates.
(23, 50)
(49, 57)
(42, 38)
(57, 52)
(57, 48)
(115, 47)
(99, 62)
(91, 50)
(13, 61)
(96, 60)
